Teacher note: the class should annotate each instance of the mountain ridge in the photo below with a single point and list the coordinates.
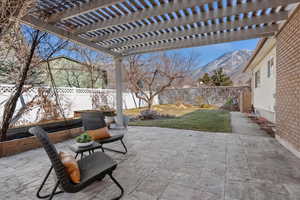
(232, 63)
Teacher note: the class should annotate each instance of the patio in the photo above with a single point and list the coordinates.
(166, 164)
(174, 164)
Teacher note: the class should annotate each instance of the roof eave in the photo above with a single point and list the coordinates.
(256, 52)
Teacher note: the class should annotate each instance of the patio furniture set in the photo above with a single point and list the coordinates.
(93, 167)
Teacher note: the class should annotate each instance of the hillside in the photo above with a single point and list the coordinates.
(232, 64)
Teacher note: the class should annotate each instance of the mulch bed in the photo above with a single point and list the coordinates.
(264, 124)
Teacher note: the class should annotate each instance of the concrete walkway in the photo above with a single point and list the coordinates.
(242, 125)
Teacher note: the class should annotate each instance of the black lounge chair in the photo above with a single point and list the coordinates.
(92, 168)
(95, 120)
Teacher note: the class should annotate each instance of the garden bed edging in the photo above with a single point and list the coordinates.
(12, 147)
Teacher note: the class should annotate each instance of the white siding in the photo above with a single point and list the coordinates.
(264, 94)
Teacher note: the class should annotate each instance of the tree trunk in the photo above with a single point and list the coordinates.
(150, 103)
(10, 106)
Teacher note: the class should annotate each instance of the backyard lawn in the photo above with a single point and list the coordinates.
(167, 109)
(199, 120)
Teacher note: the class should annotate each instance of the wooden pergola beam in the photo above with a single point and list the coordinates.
(156, 11)
(206, 29)
(40, 25)
(216, 14)
(85, 8)
(161, 28)
(207, 40)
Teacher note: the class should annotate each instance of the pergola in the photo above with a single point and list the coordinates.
(128, 27)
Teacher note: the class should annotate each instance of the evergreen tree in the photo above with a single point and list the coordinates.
(205, 79)
(219, 78)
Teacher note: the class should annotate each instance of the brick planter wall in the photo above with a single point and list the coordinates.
(288, 84)
(24, 144)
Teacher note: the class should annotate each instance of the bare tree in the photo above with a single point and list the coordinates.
(12, 53)
(12, 9)
(33, 47)
(93, 63)
(148, 77)
(10, 105)
(73, 78)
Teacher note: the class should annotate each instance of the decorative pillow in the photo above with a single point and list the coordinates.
(71, 166)
(99, 134)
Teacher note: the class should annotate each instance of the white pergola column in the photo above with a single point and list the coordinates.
(119, 88)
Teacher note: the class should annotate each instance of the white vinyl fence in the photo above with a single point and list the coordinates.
(71, 99)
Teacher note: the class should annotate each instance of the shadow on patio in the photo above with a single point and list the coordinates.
(174, 164)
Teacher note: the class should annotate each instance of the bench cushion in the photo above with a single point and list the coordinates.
(113, 138)
(71, 166)
(99, 134)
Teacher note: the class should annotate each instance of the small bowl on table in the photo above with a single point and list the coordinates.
(84, 140)
(85, 144)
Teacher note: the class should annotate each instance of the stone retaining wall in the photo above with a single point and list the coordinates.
(211, 95)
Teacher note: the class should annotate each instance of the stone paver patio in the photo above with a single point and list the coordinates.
(170, 164)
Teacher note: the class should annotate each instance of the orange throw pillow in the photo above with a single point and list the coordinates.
(71, 166)
(99, 134)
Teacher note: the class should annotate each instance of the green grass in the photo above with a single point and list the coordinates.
(201, 120)
(168, 109)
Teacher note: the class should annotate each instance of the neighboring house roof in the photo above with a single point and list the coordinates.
(79, 75)
(71, 60)
(68, 67)
(67, 58)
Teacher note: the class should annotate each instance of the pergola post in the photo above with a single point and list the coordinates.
(119, 87)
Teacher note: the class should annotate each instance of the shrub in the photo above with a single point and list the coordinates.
(152, 114)
(107, 111)
(208, 106)
(149, 114)
(205, 106)
(179, 103)
(200, 100)
(231, 105)
(229, 101)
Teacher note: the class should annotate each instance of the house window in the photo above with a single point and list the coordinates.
(270, 67)
(257, 79)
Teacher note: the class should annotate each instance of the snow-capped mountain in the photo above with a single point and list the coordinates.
(232, 64)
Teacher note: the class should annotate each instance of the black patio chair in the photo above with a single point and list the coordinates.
(92, 168)
(95, 120)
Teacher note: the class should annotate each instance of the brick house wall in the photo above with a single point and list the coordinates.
(288, 84)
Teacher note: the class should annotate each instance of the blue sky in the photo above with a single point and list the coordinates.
(211, 52)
